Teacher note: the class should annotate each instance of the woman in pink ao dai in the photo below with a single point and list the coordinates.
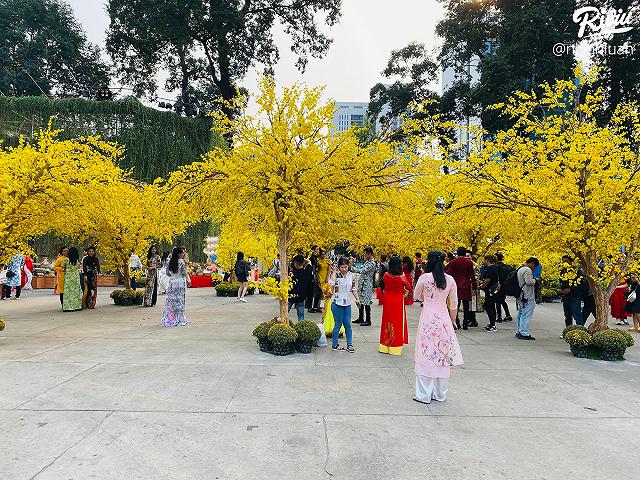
(437, 348)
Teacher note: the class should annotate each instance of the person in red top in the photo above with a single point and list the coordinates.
(461, 269)
(27, 273)
(417, 271)
(407, 269)
(393, 328)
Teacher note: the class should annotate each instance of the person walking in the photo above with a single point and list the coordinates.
(313, 300)
(27, 273)
(571, 287)
(462, 271)
(365, 287)
(491, 286)
(437, 348)
(62, 256)
(151, 284)
(417, 271)
(382, 269)
(134, 265)
(14, 276)
(241, 269)
(501, 297)
(633, 303)
(72, 300)
(526, 301)
(407, 269)
(175, 314)
(301, 277)
(343, 284)
(618, 301)
(394, 332)
(91, 269)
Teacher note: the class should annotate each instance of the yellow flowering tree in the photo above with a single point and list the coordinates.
(43, 185)
(288, 173)
(561, 178)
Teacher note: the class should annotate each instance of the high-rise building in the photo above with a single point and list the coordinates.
(350, 114)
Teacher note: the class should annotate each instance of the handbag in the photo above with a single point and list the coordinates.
(3, 277)
(632, 296)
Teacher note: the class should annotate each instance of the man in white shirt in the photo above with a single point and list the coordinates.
(526, 302)
(134, 264)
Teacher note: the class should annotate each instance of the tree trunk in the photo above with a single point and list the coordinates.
(600, 295)
(126, 275)
(284, 274)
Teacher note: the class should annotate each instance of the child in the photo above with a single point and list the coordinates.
(343, 283)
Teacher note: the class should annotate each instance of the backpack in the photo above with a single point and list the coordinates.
(511, 286)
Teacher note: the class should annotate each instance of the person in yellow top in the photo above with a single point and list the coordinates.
(324, 266)
(59, 269)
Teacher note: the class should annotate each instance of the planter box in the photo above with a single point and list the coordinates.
(107, 280)
(43, 281)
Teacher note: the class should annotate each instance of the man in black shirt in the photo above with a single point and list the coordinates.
(491, 286)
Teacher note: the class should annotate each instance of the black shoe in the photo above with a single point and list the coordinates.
(508, 318)
(499, 320)
(465, 327)
(490, 328)
(518, 335)
(473, 324)
(365, 324)
(526, 337)
(358, 320)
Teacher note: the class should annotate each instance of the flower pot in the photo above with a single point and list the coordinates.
(265, 344)
(611, 355)
(579, 352)
(304, 346)
(282, 350)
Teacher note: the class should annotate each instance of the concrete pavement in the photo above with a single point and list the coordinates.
(109, 394)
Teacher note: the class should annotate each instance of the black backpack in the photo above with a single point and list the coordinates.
(511, 285)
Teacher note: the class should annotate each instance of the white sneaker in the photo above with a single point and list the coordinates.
(237, 299)
(243, 300)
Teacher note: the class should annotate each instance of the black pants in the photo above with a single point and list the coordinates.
(6, 291)
(589, 308)
(154, 296)
(501, 303)
(490, 308)
(133, 282)
(364, 310)
(313, 300)
(62, 299)
(467, 318)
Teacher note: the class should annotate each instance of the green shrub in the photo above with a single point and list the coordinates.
(573, 327)
(262, 330)
(626, 336)
(127, 297)
(609, 340)
(307, 331)
(549, 293)
(578, 338)
(281, 334)
(227, 289)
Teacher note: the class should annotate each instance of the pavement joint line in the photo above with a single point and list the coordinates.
(235, 390)
(50, 350)
(57, 385)
(327, 414)
(43, 469)
(582, 387)
(326, 446)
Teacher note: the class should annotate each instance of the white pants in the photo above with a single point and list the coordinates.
(27, 285)
(428, 388)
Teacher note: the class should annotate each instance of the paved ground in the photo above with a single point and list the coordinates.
(109, 394)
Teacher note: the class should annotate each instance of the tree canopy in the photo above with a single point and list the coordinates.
(210, 45)
(44, 51)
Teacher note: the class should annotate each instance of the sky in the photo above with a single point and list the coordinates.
(363, 40)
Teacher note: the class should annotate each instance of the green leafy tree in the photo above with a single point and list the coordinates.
(513, 42)
(210, 45)
(44, 51)
(410, 70)
(619, 57)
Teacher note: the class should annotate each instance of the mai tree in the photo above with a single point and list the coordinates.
(44, 185)
(564, 180)
(289, 174)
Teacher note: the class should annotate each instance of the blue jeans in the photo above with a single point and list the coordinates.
(525, 314)
(341, 316)
(572, 307)
(299, 309)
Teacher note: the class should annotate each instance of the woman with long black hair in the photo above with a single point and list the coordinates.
(151, 284)
(241, 269)
(91, 269)
(175, 310)
(393, 328)
(437, 348)
(72, 298)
